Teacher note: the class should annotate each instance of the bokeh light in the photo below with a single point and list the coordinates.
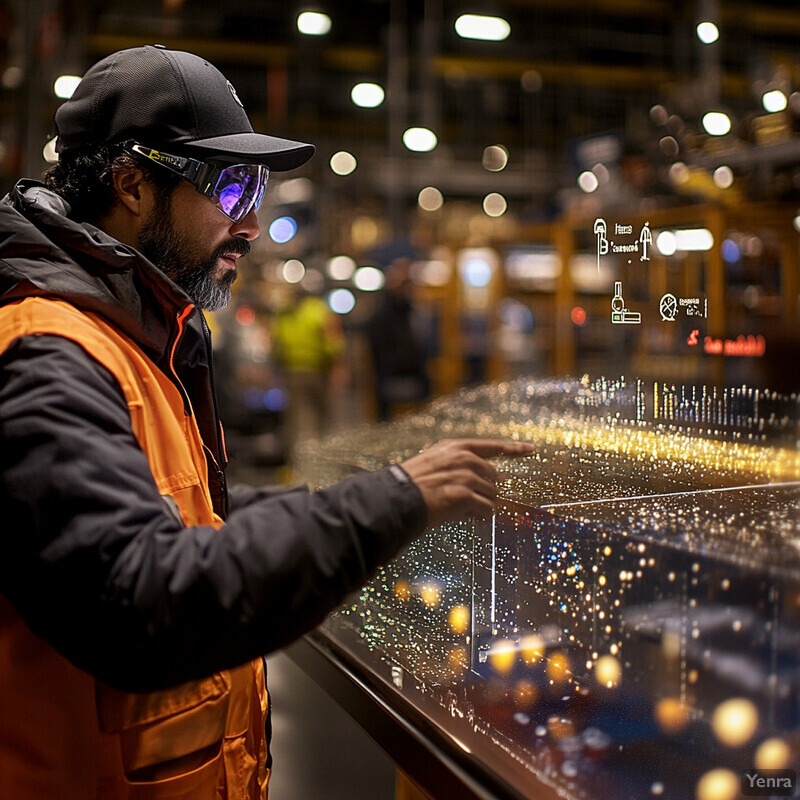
(367, 95)
(430, 199)
(341, 301)
(420, 140)
(343, 163)
(735, 721)
(368, 279)
(313, 23)
(282, 230)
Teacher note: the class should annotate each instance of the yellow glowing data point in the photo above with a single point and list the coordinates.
(672, 714)
(718, 784)
(502, 656)
(431, 595)
(459, 619)
(735, 721)
(773, 753)
(558, 667)
(531, 648)
(402, 590)
(608, 672)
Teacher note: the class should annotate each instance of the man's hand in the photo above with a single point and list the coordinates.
(455, 479)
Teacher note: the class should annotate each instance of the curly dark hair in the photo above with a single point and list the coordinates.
(84, 178)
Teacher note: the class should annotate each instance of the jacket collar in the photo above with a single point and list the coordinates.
(44, 252)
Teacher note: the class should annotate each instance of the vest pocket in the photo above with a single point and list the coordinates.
(196, 784)
(163, 735)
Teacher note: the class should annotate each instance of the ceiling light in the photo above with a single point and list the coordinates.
(488, 29)
(495, 158)
(494, 205)
(707, 32)
(774, 100)
(723, 177)
(282, 230)
(65, 86)
(666, 243)
(430, 199)
(717, 123)
(293, 271)
(367, 95)
(420, 140)
(49, 151)
(341, 268)
(368, 279)
(588, 181)
(341, 301)
(313, 23)
(343, 163)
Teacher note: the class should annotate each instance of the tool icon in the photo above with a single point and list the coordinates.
(619, 313)
(601, 229)
(668, 307)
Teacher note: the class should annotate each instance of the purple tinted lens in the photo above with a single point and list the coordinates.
(240, 189)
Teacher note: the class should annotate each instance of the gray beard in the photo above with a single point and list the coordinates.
(161, 244)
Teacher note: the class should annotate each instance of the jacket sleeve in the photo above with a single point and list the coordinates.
(97, 564)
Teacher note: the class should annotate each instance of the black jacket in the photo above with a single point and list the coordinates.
(92, 558)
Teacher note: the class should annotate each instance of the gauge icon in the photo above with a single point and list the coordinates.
(668, 307)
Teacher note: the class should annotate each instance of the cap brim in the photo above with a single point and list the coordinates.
(277, 154)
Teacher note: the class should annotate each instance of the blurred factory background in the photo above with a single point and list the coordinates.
(472, 162)
(501, 188)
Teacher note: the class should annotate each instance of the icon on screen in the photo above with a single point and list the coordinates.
(619, 313)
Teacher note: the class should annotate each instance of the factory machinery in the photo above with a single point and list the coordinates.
(625, 626)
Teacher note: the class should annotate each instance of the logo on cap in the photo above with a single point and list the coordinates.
(235, 96)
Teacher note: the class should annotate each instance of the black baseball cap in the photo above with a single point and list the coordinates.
(163, 98)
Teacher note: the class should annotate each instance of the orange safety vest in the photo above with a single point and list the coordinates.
(63, 733)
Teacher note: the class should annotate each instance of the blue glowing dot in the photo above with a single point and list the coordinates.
(477, 272)
(282, 229)
(341, 301)
(730, 251)
(275, 399)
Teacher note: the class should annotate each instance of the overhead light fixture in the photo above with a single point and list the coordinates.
(49, 151)
(420, 140)
(707, 32)
(774, 100)
(430, 199)
(65, 86)
(368, 279)
(487, 29)
(293, 270)
(494, 205)
(495, 158)
(723, 177)
(343, 163)
(588, 181)
(313, 23)
(341, 268)
(367, 95)
(341, 301)
(717, 123)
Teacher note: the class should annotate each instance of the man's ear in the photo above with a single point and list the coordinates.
(132, 190)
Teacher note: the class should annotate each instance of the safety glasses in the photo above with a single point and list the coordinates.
(235, 190)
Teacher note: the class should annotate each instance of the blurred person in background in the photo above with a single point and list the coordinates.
(308, 345)
(395, 343)
(138, 592)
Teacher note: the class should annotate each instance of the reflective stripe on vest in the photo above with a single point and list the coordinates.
(65, 734)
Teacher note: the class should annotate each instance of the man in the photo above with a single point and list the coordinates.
(308, 345)
(138, 592)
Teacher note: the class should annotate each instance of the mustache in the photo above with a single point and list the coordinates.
(240, 246)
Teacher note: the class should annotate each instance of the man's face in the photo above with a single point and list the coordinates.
(188, 238)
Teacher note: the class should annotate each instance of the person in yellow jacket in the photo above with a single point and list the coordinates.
(138, 591)
(308, 345)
